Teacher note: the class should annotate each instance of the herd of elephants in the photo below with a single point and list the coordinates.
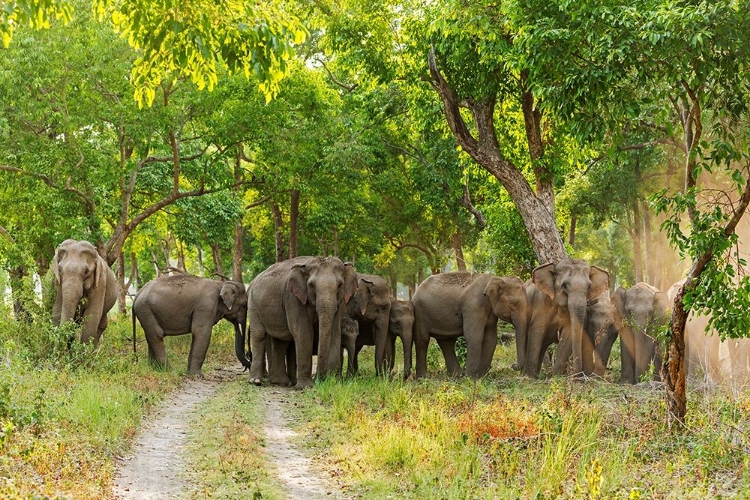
(309, 306)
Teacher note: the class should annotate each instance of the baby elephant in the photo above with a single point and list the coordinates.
(175, 305)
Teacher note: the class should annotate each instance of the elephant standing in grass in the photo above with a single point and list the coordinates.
(603, 323)
(371, 308)
(349, 335)
(451, 305)
(643, 309)
(180, 304)
(557, 299)
(290, 301)
(85, 288)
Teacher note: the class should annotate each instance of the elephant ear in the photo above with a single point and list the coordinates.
(363, 295)
(544, 278)
(599, 281)
(297, 283)
(618, 299)
(228, 294)
(350, 281)
(101, 270)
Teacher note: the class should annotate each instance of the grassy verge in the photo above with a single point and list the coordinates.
(510, 437)
(226, 447)
(66, 414)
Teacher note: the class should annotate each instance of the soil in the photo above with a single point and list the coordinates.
(154, 469)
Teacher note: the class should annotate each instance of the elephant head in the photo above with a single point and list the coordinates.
(644, 309)
(401, 325)
(509, 303)
(233, 307)
(373, 305)
(326, 285)
(602, 326)
(571, 283)
(84, 286)
(349, 333)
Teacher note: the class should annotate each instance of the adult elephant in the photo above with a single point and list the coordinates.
(644, 309)
(85, 288)
(557, 299)
(180, 304)
(400, 325)
(371, 308)
(451, 305)
(289, 301)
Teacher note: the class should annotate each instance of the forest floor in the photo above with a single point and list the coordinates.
(155, 469)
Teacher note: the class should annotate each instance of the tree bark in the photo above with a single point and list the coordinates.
(18, 291)
(216, 254)
(335, 241)
(293, 223)
(201, 267)
(537, 209)
(637, 245)
(457, 248)
(278, 225)
(239, 231)
(648, 238)
(181, 256)
(572, 231)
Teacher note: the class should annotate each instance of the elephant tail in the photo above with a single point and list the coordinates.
(132, 314)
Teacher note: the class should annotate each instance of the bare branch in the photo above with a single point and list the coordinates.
(466, 202)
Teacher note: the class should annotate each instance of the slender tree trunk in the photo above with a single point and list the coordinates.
(293, 223)
(155, 260)
(181, 256)
(201, 267)
(335, 241)
(572, 231)
(457, 248)
(649, 247)
(278, 225)
(18, 291)
(637, 245)
(122, 293)
(237, 253)
(216, 254)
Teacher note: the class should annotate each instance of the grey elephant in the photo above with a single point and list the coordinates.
(349, 335)
(290, 301)
(180, 304)
(400, 325)
(371, 308)
(451, 305)
(602, 327)
(85, 288)
(557, 300)
(644, 309)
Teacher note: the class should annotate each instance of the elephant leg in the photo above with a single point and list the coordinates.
(489, 344)
(277, 369)
(198, 348)
(291, 363)
(154, 333)
(303, 339)
(421, 344)
(406, 343)
(534, 352)
(627, 356)
(258, 347)
(449, 354)
(563, 353)
(644, 354)
(474, 332)
(390, 353)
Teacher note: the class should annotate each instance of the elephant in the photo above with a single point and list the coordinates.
(180, 304)
(557, 300)
(602, 327)
(371, 308)
(400, 325)
(289, 301)
(85, 288)
(447, 306)
(349, 335)
(643, 309)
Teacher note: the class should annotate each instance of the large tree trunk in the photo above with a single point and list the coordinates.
(293, 223)
(536, 206)
(459, 251)
(237, 252)
(278, 225)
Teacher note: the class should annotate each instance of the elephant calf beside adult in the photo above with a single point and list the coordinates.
(371, 309)
(290, 301)
(180, 304)
(451, 305)
(85, 288)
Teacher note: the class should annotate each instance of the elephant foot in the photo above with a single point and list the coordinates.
(515, 367)
(303, 384)
(196, 374)
(256, 381)
(282, 381)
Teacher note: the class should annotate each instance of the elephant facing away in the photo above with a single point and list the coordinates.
(290, 301)
(371, 308)
(557, 300)
(180, 304)
(85, 288)
(450, 305)
(644, 309)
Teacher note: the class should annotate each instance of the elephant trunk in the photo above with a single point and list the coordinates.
(577, 311)
(520, 323)
(72, 292)
(239, 345)
(326, 311)
(407, 339)
(381, 339)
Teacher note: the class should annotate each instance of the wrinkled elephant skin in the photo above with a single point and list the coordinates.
(291, 301)
(371, 308)
(451, 305)
(181, 304)
(85, 288)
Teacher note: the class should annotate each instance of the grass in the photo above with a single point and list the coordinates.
(66, 413)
